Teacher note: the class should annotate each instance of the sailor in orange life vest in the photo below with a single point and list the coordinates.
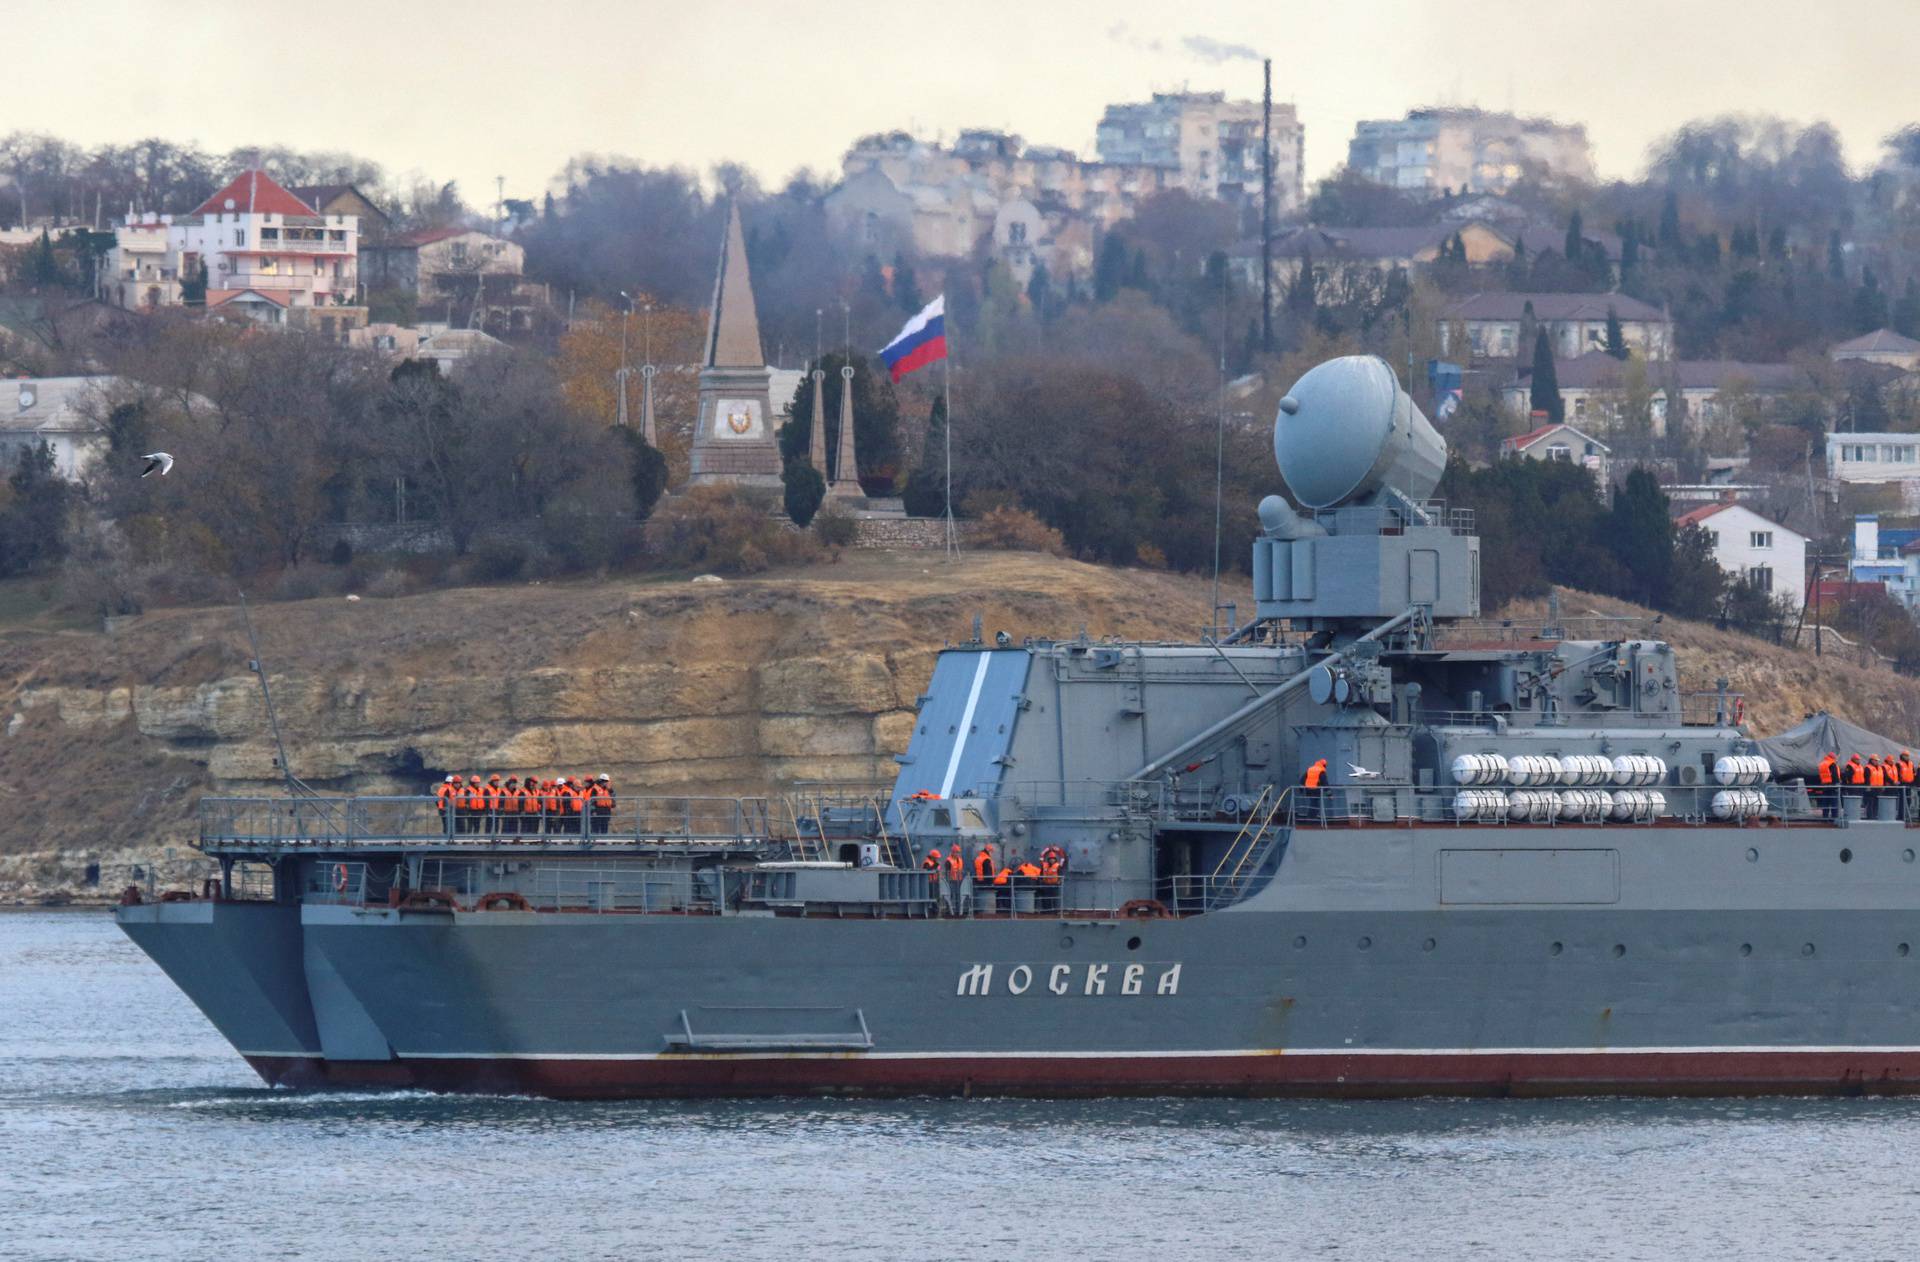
(932, 864)
(446, 801)
(983, 864)
(474, 817)
(1829, 778)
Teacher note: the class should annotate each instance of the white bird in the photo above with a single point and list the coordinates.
(1356, 772)
(157, 460)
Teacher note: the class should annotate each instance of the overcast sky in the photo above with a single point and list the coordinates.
(479, 88)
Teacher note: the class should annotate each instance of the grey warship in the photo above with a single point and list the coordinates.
(1529, 865)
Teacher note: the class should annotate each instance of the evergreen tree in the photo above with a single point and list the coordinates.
(1517, 266)
(1040, 290)
(42, 267)
(1110, 269)
(1529, 323)
(1139, 279)
(1869, 304)
(1545, 393)
(1629, 249)
(1576, 246)
(1777, 244)
(646, 471)
(33, 528)
(1616, 337)
(906, 286)
(1906, 312)
(925, 494)
(193, 286)
(804, 491)
(1670, 234)
(1640, 534)
(1836, 257)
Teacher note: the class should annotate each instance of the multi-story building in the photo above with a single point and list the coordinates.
(140, 271)
(462, 268)
(262, 253)
(1595, 387)
(1873, 457)
(1575, 324)
(1211, 144)
(1436, 152)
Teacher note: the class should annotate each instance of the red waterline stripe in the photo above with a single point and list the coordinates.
(1323, 1074)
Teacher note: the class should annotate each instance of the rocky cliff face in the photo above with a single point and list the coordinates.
(669, 687)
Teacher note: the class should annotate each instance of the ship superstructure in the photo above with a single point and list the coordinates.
(1530, 864)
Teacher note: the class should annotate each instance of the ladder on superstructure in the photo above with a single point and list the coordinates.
(1249, 851)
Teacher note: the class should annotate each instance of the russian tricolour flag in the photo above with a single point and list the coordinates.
(923, 341)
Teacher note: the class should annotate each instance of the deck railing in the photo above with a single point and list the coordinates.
(419, 820)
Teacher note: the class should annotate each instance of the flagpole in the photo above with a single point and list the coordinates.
(946, 385)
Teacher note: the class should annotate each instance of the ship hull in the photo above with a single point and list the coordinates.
(1514, 1073)
(1745, 961)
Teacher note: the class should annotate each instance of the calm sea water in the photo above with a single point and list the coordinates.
(128, 1130)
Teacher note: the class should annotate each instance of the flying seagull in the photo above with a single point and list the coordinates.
(1357, 772)
(157, 460)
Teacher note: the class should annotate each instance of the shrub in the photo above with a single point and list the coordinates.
(341, 553)
(725, 529)
(1149, 556)
(302, 582)
(501, 560)
(390, 583)
(1014, 529)
(836, 529)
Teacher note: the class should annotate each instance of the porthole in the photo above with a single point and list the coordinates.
(1901, 950)
(1300, 942)
(1753, 856)
(1806, 948)
(1619, 949)
(1906, 856)
(1067, 941)
(1365, 942)
(1846, 856)
(1428, 945)
(1746, 949)
(1555, 949)
(1133, 944)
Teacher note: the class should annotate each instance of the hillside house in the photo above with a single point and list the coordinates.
(1747, 545)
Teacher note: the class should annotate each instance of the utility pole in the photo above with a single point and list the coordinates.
(1266, 207)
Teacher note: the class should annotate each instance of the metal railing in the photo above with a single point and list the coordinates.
(333, 821)
(303, 245)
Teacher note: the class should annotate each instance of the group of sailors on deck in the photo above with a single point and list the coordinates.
(1042, 873)
(516, 808)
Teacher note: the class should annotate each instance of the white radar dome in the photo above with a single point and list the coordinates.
(1347, 431)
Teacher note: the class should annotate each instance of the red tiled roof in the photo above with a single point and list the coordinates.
(1520, 442)
(254, 193)
(1694, 516)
